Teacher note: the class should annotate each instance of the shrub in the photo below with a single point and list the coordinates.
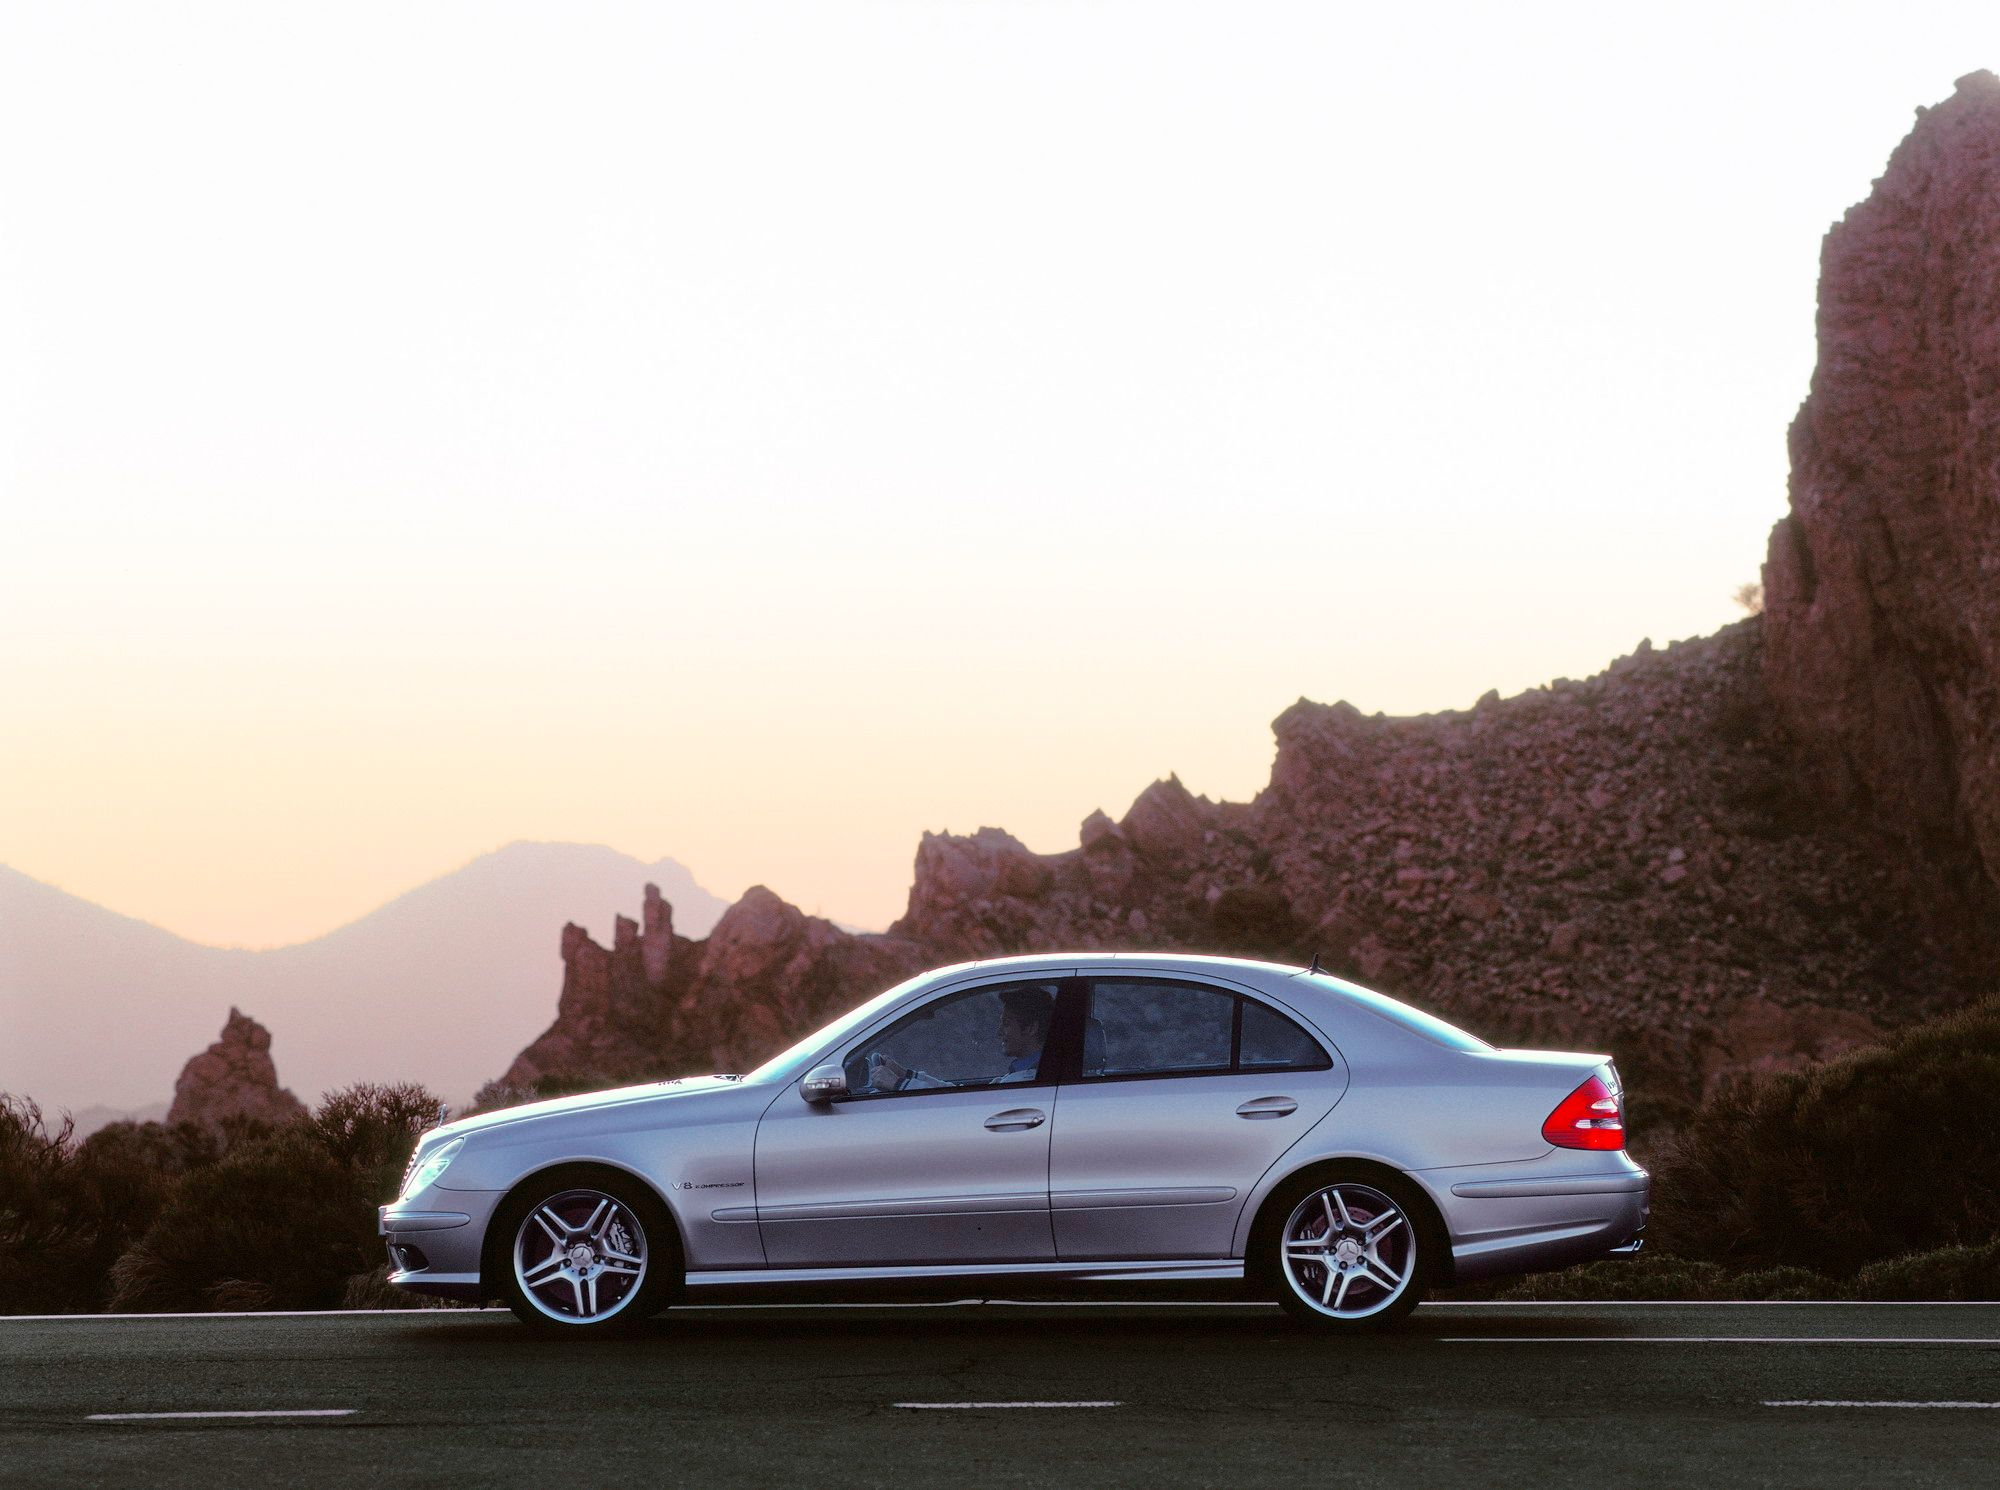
(1949, 1273)
(1255, 921)
(122, 1176)
(281, 1222)
(274, 1224)
(68, 1210)
(1946, 1274)
(1884, 1151)
(374, 1129)
(40, 1230)
(1656, 1277)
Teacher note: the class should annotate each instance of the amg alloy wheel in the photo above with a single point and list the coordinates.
(1351, 1254)
(591, 1253)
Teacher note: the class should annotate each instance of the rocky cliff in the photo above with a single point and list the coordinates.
(654, 1003)
(1748, 850)
(1883, 586)
(234, 1078)
(1626, 861)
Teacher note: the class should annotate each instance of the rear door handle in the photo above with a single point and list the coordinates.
(1268, 1107)
(1017, 1117)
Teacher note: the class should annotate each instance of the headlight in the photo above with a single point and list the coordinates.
(426, 1174)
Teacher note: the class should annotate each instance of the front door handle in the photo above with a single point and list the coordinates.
(1015, 1118)
(1268, 1107)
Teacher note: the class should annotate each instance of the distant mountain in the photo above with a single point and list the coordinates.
(442, 985)
(89, 1119)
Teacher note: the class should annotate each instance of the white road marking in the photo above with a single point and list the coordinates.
(1569, 1304)
(982, 1406)
(1718, 1340)
(1709, 1304)
(238, 1314)
(276, 1412)
(1127, 1303)
(1882, 1404)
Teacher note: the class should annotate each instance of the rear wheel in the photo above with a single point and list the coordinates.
(586, 1252)
(1351, 1250)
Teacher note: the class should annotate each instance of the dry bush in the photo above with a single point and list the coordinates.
(68, 1210)
(284, 1221)
(273, 1224)
(1947, 1274)
(40, 1227)
(1953, 1273)
(372, 1130)
(1882, 1152)
(1256, 921)
(1652, 1277)
(123, 1175)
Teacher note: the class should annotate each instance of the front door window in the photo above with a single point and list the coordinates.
(988, 1037)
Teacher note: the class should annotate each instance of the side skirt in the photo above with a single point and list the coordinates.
(1203, 1270)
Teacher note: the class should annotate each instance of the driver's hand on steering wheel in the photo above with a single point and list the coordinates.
(886, 1075)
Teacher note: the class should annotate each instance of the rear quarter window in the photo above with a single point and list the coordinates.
(1270, 1040)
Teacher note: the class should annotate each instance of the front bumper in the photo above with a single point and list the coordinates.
(435, 1240)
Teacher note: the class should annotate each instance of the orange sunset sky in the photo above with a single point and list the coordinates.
(758, 433)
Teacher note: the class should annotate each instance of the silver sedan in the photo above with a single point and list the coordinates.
(1038, 1122)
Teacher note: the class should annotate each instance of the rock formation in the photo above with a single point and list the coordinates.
(657, 1004)
(1738, 853)
(1882, 589)
(234, 1078)
(1624, 862)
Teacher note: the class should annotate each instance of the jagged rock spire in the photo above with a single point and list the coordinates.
(234, 1078)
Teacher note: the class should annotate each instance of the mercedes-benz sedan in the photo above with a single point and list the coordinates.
(1028, 1122)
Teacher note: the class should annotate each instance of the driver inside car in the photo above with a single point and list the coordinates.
(1025, 1014)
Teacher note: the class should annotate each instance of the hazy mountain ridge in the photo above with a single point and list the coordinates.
(440, 985)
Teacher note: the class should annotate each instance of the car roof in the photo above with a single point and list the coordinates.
(1325, 992)
(1101, 961)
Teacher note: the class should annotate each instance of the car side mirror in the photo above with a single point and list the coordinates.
(824, 1084)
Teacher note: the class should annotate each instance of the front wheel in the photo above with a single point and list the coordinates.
(1351, 1252)
(587, 1252)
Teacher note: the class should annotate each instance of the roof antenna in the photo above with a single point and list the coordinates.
(1315, 968)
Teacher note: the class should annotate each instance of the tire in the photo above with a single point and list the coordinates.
(1351, 1249)
(584, 1251)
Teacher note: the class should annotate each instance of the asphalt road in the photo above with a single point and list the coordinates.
(1584, 1397)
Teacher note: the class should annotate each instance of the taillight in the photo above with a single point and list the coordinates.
(1588, 1118)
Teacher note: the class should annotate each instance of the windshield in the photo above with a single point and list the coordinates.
(827, 1034)
(1398, 1012)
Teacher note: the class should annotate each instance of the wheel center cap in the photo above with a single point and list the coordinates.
(581, 1256)
(1348, 1250)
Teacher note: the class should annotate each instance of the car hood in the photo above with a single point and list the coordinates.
(684, 1088)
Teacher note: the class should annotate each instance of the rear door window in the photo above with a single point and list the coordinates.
(1159, 1027)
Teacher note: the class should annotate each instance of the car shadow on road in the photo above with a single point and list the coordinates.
(917, 1328)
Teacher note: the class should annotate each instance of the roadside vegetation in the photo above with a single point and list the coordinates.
(1873, 1176)
(144, 1217)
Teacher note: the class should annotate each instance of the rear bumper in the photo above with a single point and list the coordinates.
(1552, 1213)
